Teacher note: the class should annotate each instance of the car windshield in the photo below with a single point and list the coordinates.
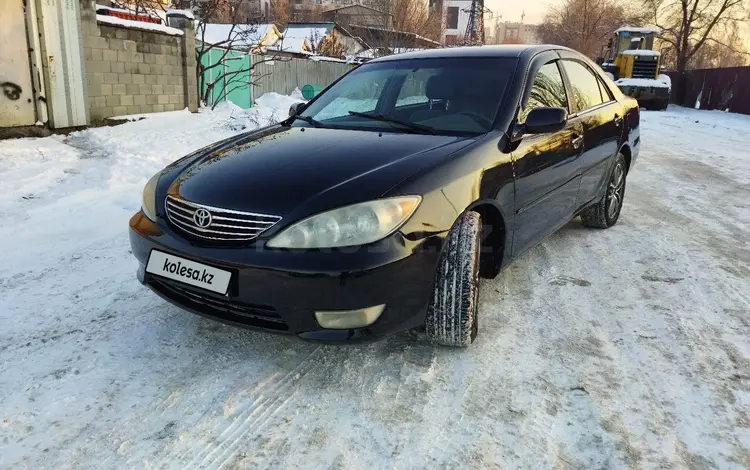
(437, 96)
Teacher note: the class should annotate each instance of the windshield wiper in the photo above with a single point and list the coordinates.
(410, 125)
(307, 119)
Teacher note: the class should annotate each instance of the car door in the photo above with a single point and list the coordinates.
(545, 166)
(599, 114)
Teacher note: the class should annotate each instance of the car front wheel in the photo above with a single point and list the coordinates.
(605, 213)
(452, 313)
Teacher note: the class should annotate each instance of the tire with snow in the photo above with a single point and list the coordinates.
(605, 213)
(452, 313)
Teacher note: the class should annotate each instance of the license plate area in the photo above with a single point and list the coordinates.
(188, 272)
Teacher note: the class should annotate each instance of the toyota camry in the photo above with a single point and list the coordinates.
(377, 206)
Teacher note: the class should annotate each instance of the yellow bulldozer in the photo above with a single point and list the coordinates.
(635, 66)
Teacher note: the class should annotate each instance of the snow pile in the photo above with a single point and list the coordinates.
(297, 94)
(642, 82)
(140, 25)
(278, 101)
(32, 165)
(665, 79)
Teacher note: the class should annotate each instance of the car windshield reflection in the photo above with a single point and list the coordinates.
(434, 96)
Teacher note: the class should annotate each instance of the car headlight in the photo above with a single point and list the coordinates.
(149, 198)
(354, 225)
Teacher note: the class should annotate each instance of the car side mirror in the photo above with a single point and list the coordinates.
(296, 108)
(544, 120)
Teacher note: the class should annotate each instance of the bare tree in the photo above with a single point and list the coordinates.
(142, 8)
(223, 63)
(689, 25)
(401, 23)
(585, 25)
(725, 48)
(281, 11)
(412, 16)
(284, 11)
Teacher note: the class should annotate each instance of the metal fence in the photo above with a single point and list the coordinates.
(283, 76)
(722, 89)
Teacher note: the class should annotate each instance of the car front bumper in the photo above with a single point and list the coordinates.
(279, 291)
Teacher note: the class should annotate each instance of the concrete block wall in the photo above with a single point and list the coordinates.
(133, 71)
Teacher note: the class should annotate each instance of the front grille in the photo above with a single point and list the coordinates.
(222, 224)
(261, 316)
(645, 67)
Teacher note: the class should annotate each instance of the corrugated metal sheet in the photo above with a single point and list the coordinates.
(231, 79)
(722, 89)
(283, 76)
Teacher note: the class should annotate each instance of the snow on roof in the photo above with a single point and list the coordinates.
(298, 36)
(296, 45)
(308, 30)
(633, 29)
(186, 13)
(239, 35)
(641, 52)
(141, 25)
(150, 12)
(642, 82)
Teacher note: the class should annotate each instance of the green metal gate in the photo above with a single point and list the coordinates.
(231, 77)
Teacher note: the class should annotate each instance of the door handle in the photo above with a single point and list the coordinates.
(577, 141)
(618, 119)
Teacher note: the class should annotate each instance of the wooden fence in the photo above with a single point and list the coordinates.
(722, 89)
(283, 76)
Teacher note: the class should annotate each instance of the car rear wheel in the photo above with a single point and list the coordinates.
(605, 213)
(452, 313)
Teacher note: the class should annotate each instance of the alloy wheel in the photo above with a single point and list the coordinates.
(616, 191)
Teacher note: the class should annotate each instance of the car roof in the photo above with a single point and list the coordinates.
(505, 50)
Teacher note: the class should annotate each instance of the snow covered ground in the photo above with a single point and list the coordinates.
(628, 347)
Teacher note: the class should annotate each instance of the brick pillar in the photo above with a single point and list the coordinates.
(93, 75)
(189, 64)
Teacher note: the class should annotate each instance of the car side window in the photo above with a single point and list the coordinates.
(583, 85)
(606, 94)
(548, 90)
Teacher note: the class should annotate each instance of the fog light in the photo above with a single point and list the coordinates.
(345, 319)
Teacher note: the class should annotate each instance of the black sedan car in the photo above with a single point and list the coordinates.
(377, 206)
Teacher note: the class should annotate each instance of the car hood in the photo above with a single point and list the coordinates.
(280, 169)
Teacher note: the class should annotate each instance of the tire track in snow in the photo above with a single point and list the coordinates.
(269, 401)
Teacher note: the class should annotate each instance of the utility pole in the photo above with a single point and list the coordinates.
(475, 27)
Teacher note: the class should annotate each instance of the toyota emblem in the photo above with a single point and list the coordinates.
(202, 218)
